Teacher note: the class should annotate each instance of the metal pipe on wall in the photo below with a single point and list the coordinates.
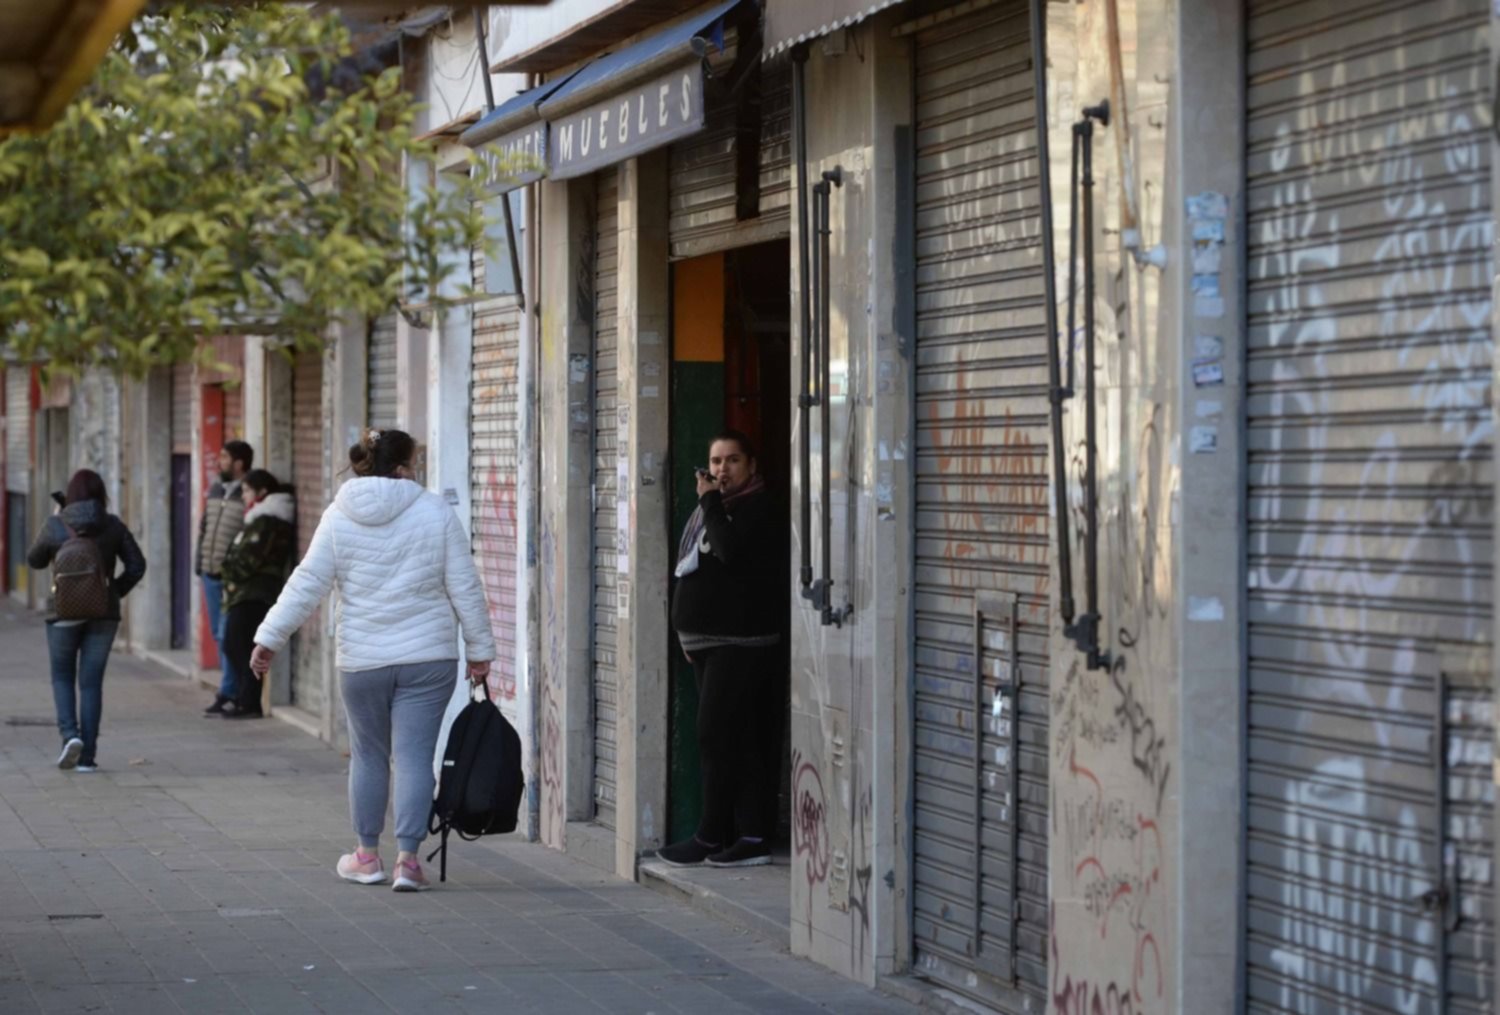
(804, 397)
(1056, 392)
(832, 178)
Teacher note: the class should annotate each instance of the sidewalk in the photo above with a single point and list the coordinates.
(193, 873)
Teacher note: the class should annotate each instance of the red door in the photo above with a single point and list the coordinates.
(212, 442)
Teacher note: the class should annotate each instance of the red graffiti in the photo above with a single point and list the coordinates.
(809, 825)
(494, 522)
(1080, 997)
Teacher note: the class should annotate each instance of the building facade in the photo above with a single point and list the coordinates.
(1138, 597)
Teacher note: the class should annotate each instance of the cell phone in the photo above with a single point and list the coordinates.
(61, 500)
(703, 472)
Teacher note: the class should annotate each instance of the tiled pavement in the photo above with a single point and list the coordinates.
(193, 874)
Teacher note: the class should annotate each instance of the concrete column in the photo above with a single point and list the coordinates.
(449, 363)
(644, 316)
(414, 374)
(892, 326)
(253, 386)
(528, 592)
(1206, 145)
(148, 449)
(565, 558)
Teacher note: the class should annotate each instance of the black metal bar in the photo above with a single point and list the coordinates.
(1069, 338)
(976, 801)
(804, 398)
(1090, 410)
(832, 616)
(1056, 392)
(480, 13)
(1013, 796)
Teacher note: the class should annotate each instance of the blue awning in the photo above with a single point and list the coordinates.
(639, 62)
(514, 113)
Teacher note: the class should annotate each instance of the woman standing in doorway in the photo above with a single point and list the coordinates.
(253, 573)
(724, 613)
(80, 630)
(400, 559)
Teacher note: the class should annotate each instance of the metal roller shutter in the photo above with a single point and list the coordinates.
(702, 195)
(1369, 504)
(18, 430)
(381, 412)
(493, 460)
(308, 435)
(606, 429)
(182, 409)
(981, 568)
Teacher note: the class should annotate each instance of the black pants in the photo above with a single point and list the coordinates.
(738, 705)
(240, 625)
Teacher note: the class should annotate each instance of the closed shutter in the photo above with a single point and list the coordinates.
(18, 429)
(182, 409)
(308, 430)
(1369, 505)
(702, 190)
(606, 429)
(981, 568)
(381, 412)
(493, 460)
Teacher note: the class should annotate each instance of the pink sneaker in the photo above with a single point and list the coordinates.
(361, 868)
(409, 877)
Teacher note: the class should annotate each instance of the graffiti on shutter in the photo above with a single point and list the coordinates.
(981, 571)
(1369, 508)
(493, 461)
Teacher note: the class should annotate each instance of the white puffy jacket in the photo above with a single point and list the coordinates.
(400, 560)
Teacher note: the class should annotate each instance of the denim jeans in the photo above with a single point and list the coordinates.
(79, 653)
(213, 601)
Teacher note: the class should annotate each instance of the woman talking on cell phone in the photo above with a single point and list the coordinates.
(724, 613)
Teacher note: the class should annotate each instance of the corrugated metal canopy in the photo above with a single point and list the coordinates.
(48, 49)
(789, 22)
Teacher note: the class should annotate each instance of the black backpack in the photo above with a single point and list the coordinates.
(479, 792)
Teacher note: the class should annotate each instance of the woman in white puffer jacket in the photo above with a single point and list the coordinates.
(399, 558)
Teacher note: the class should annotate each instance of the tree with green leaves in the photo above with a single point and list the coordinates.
(224, 173)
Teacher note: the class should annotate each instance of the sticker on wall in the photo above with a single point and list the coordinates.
(1208, 205)
(1208, 373)
(1203, 440)
(1207, 300)
(1205, 608)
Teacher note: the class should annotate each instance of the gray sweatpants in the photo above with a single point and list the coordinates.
(400, 706)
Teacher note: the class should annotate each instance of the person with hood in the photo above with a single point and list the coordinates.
(79, 646)
(223, 517)
(724, 613)
(407, 585)
(254, 571)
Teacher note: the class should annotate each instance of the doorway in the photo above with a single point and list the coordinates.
(731, 368)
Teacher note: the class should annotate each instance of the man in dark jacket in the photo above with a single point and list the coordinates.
(79, 649)
(223, 517)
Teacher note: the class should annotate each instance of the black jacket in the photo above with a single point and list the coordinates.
(734, 592)
(116, 546)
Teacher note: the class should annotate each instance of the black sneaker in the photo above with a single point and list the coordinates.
(690, 852)
(217, 707)
(743, 853)
(233, 711)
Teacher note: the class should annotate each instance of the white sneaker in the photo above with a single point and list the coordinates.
(71, 752)
(87, 768)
